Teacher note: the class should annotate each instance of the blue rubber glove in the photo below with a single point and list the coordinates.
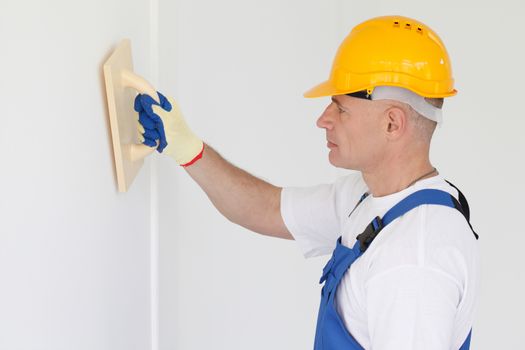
(153, 128)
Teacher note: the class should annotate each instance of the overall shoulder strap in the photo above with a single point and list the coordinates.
(462, 201)
(426, 196)
(462, 206)
(363, 197)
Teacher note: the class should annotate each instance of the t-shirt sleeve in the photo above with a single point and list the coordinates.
(415, 305)
(417, 312)
(313, 215)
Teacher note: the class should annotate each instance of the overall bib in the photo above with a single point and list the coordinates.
(331, 333)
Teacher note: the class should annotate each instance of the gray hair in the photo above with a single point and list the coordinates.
(425, 127)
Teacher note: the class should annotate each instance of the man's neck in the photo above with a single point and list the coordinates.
(397, 175)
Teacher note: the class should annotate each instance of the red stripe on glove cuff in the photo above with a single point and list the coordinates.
(199, 156)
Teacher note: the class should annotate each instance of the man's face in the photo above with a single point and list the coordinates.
(354, 132)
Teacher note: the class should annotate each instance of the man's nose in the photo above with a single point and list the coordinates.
(325, 121)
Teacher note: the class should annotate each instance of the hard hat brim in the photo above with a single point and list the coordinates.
(327, 88)
(322, 90)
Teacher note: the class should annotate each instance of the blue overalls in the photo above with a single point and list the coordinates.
(331, 333)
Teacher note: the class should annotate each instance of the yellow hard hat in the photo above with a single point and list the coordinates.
(390, 51)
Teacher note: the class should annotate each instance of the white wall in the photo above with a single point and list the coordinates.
(74, 254)
(238, 69)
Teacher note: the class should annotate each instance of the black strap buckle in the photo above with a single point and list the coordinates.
(370, 233)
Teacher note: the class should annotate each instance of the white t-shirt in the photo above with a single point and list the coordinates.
(416, 285)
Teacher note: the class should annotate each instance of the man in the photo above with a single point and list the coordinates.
(405, 268)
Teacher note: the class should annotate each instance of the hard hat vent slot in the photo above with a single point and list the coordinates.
(408, 26)
(396, 23)
(420, 30)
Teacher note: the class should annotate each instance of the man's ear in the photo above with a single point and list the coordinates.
(396, 122)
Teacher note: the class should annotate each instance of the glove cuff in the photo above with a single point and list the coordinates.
(197, 157)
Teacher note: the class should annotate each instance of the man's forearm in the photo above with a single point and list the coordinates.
(239, 196)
